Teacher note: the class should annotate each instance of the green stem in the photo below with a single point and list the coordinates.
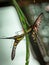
(25, 24)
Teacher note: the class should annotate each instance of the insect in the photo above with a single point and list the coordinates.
(33, 28)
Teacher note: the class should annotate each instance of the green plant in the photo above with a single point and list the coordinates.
(24, 23)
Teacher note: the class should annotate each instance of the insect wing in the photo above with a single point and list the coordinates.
(13, 51)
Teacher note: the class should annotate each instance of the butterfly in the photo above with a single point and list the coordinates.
(17, 38)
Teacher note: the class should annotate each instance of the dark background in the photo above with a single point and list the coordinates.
(21, 2)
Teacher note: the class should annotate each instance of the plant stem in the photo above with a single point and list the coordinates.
(25, 25)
